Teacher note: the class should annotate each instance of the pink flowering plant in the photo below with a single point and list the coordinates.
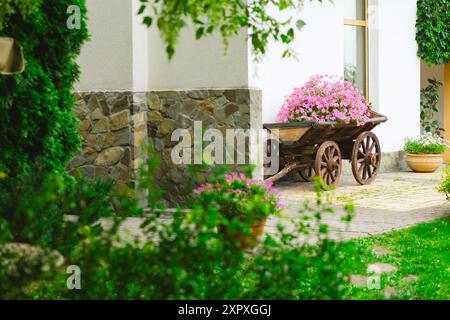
(326, 99)
(238, 195)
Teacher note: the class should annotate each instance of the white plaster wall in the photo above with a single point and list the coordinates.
(374, 59)
(140, 50)
(437, 72)
(197, 63)
(320, 49)
(398, 72)
(106, 61)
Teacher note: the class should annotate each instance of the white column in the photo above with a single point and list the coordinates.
(398, 73)
(140, 50)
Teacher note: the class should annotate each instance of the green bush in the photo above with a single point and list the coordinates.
(24, 7)
(429, 98)
(426, 144)
(37, 124)
(52, 213)
(445, 185)
(178, 257)
(433, 31)
(35, 208)
(185, 257)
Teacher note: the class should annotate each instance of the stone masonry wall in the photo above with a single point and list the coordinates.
(117, 127)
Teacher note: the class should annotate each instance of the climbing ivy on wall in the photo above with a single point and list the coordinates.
(36, 122)
(433, 31)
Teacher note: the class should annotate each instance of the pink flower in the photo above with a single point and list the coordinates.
(325, 98)
(244, 189)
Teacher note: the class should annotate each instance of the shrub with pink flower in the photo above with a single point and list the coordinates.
(326, 99)
(237, 195)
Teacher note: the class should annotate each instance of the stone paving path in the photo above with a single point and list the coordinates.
(394, 201)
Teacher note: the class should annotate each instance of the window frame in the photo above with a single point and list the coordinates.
(365, 24)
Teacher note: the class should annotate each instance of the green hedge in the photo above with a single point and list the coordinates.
(433, 31)
(36, 123)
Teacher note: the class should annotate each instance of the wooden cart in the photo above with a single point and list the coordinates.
(312, 148)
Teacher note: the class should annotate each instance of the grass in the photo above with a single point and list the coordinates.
(422, 251)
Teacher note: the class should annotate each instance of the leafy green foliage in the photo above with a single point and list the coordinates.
(35, 208)
(228, 17)
(24, 7)
(433, 31)
(187, 258)
(52, 212)
(426, 144)
(181, 256)
(37, 124)
(429, 98)
(445, 185)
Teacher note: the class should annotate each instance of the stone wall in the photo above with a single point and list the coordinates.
(106, 130)
(219, 109)
(117, 127)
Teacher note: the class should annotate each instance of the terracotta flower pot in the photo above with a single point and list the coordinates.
(246, 241)
(424, 162)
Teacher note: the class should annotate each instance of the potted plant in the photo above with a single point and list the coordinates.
(244, 203)
(425, 153)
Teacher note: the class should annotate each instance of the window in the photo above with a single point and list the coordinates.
(356, 44)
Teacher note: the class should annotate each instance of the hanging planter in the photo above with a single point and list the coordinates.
(11, 57)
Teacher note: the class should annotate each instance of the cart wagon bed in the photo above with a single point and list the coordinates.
(318, 149)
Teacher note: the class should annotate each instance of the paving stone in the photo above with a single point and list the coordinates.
(389, 292)
(410, 278)
(383, 206)
(380, 251)
(359, 281)
(380, 268)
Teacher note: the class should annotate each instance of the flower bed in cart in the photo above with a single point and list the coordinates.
(325, 121)
(326, 99)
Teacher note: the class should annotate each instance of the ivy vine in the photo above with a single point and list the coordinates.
(433, 31)
(227, 17)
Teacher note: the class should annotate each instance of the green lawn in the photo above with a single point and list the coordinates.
(422, 251)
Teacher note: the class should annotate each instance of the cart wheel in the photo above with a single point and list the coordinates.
(307, 174)
(328, 163)
(272, 148)
(366, 158)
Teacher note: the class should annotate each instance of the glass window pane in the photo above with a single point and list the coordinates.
(355, 56)
(355, 9)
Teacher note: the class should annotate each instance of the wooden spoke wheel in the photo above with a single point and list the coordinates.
(366, 158)
(272, 149)
(328, 163)
(307, 173)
